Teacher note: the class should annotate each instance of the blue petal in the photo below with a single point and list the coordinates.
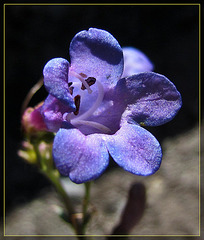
(135, 149)
(135, 62)
(56, 80)
(96, 53)
(151, 99)
(80, 157)
(52, 111)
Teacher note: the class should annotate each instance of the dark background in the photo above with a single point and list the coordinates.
(168, 35)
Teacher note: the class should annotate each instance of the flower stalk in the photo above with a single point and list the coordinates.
(78, 221)
(86, 215)
(30, 94)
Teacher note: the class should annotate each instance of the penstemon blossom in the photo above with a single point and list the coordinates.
(98, 106)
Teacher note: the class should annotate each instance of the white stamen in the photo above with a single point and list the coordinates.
(94, 106)
(96, 125)
(81, 79)
(80, 119)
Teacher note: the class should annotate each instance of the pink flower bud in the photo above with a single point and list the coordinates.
(32, 120)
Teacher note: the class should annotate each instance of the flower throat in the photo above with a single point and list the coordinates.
(86, 82)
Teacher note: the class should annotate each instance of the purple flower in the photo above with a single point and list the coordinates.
(98, 114)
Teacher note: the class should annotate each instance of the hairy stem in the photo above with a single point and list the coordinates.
(75, 219)
(58, 186)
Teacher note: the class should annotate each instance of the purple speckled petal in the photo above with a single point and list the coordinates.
(97, 53)
(52, 111)
(56, 80)
(135, 149)
(151, 99)
(109, 115)
(82, 158)
(135, 62)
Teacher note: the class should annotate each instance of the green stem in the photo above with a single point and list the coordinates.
(58, 186)
(86, 197)
(77, 220)
(54, 177)
(74, 219)
(38, 156)
(85, 205)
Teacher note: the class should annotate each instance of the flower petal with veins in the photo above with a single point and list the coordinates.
(151, 99)
(56, 80)
(80, 157)
(97, 54)
(135, 149)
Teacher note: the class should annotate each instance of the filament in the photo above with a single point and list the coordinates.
(80, 120)
(96, 125)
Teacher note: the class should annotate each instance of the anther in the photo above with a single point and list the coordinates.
(71, 90)
(83, 75)
(72, 73)
(96, 104)
(90, 81)
(77, 100)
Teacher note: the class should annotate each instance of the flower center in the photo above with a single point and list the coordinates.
(85, 84)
